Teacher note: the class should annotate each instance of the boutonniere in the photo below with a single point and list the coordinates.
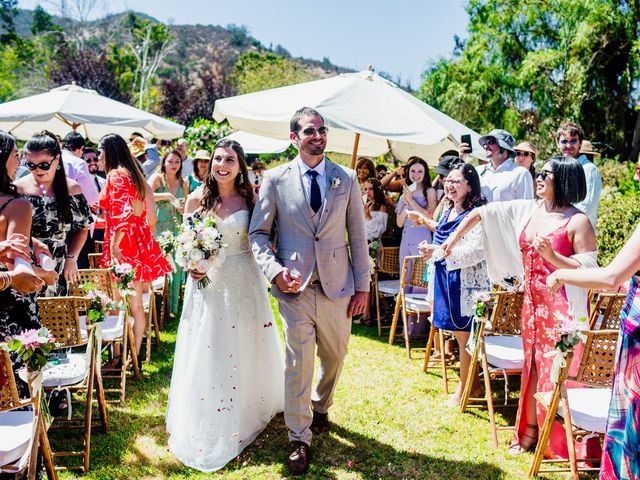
(335, 182)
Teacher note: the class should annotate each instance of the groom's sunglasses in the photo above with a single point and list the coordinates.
(310, 131)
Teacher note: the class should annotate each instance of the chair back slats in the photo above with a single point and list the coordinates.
(389, 260)
(95, 259)
(598, 359)
(8, 392)
(609, 306)
(506, 316)
(101, 279)
(416, 267)
(60, 316)
(97, 244)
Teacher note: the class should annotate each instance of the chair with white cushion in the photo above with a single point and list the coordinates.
(76, 372)
(22, 432)
(497, 346)
(583, 410)
(388, 263)
(409, 304)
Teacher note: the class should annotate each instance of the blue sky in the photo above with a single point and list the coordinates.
(396, 36)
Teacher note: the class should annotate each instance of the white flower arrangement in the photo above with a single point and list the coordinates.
(335, 183)
(199, 247)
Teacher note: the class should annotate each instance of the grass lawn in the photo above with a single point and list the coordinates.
(388, 423)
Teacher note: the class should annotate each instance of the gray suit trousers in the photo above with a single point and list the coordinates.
(309, 320)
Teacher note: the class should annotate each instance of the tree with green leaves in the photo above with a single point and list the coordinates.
(8, 12)
(42, 22)
(529, 64)
(256, 71)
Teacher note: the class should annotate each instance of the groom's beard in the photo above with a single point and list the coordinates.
(311, 149)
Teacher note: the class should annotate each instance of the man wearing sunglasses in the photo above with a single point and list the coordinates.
(502, 179)
(569, 137)
(76, 168)
(90, 156)
(320, 272)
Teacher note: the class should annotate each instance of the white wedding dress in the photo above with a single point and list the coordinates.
(228, 371)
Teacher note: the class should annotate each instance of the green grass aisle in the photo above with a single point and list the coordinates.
(388, 423)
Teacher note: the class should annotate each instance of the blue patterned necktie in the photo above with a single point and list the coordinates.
(315, 199)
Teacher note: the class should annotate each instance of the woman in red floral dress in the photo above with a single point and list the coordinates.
(127, 236)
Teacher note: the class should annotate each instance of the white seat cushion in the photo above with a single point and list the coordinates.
(589, 407)
(504, 351)
(15, 435)
(389, 287)
(417, 302)
(111, 327)
(65, 374)
(145, 300)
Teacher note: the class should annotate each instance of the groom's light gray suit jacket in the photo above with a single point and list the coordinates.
(336, 247)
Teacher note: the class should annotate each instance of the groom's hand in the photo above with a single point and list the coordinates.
(358, 304)
(286, 283)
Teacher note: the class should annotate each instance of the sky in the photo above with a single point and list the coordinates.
(399, 37)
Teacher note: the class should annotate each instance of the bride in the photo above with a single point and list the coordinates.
(228, 371)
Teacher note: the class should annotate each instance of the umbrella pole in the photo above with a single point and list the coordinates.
(355, 150)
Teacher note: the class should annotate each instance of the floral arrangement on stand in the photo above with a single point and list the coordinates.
(167, 242)
(483, 300)
(124, 274)
(204, 134)
(99, 303)
(373, 255)
(199, 246)
(567, 334)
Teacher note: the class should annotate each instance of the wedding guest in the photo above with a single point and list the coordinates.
(90, 156)
(381, 171)
(375, 209)
(200, 167)
(255, 175)
(526, 157)
(394, 180)
(418, 196)
(170, 192)
(146, 153)
(127, 236)
(75, 168)
(501, 178)
(622, 439)
(464, 272)
(551, 234)
(18, 310)
(60, 213)
(365, 169)
(569, 138)
(182, 146)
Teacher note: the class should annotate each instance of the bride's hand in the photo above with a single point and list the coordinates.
(197, 276)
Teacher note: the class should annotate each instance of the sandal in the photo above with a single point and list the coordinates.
(530, 437)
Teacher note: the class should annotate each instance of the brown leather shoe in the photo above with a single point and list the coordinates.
(298, 460)
(320, 423)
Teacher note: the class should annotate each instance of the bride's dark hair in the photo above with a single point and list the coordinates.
(211, 194)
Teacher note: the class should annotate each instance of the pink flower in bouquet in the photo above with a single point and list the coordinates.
(33, 339)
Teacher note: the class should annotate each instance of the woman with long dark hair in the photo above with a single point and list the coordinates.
(170, 192)
(530, 239)
(228, 352)
(127, 236)
(464, 273)
(375, 209)
(61, 215)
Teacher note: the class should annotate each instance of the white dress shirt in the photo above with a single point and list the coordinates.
(594, 189)
(187, 166)
(76, 169)
(507, 182)
(306, 179)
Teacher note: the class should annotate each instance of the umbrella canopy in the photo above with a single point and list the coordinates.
(258, 144)
(70, 107)
(384, 116)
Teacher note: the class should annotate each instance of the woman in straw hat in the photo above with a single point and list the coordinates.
(200, 166)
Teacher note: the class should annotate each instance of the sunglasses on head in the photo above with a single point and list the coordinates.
(310, 131)
(543, 174)
(44, 166)
(522, 154)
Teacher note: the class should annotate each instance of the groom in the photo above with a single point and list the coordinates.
(319, 271)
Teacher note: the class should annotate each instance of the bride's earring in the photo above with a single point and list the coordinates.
(240, 179)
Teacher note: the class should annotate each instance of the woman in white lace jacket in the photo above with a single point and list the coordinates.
(464, 272)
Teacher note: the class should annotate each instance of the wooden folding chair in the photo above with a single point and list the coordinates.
(387, 262)
(23, 432)
(161, 291)
(98, 245)
(115, 332)
(497, 346)
(149, 305)
(413, 271)
(77, 372)
(605, 314)
(95, 260)
(583, 410)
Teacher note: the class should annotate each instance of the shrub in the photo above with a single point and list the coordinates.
(618, 217)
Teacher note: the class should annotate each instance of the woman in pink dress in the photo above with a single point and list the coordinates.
(551, 234)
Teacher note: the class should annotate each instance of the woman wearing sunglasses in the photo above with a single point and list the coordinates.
(61, 215)
(526, 157)
(531, 239)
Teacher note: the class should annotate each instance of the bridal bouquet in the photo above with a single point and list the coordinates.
(199, 246)
(566, 335)
(124, 274)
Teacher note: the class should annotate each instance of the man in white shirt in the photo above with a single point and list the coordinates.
(569, 137)
(187, 162)
(76, 168)
(501, 178)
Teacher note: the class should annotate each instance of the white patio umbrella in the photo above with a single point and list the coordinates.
(71, 107)
(367, 115)
(252, 143)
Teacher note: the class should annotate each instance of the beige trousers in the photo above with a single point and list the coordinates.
(309, 320)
